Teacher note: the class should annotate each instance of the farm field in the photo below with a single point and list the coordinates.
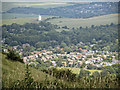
(8, 5)
(19, 21)
(69, 22)
(77, 70)
(46, 4)
(14, 15)
(76, 22)
(20, 18)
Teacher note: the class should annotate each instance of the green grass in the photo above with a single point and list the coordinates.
(74, 22)
(21, 19)
(13, 71)
(77, 70)
(46, 4)
(13, 15)
(8, 5)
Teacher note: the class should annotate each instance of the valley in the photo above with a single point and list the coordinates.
(60, 45)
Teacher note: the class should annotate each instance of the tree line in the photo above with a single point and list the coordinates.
(78, 10)
(44, 35)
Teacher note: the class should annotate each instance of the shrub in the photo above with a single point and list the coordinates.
(13, 56)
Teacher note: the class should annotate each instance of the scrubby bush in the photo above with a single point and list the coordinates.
(11, 55)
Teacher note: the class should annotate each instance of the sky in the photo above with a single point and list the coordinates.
(59, 0)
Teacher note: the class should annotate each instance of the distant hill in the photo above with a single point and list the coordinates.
(60, 0)
(76, 22)
(79, 10)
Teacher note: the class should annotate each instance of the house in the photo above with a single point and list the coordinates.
(70, 64)
(53, 63)
(25, 60)
(40, 18)
(84, 50)
(15, 47)
(35, 55)
(64, 64)
(71, 53)
(87, 62)
(26, 45)
(37, 52)
(69, 60)
(113, 57)
(43, 58)
(61, 49)
(5, 50)
(39, 55)
(79, 63)
(108, 64)
(32, 63)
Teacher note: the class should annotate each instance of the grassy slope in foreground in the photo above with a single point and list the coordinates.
(13, 71)
(76, 22)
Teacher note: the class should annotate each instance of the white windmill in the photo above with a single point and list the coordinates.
(39, 19)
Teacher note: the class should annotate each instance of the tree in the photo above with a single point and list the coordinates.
(83, 65)
(116, 67)
(109, 69)
(63, 45)
(58, 51)
(95, 74)
(92, 26)
(83, 73)
(13, 56)
(67, 49)
(65, 27)
(59, 62)
(90, 67)
(94, 41)
(104, 73)
(14, 43)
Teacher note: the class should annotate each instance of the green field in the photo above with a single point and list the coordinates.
(14, 15)
(76, 22)
(77, 70)
(21, 18)
(45, 4)
(19, 21)
(8, 5)
(70, 22)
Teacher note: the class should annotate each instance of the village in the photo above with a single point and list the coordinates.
(71, 59)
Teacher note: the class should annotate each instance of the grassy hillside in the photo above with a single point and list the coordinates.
(74, 22)
(8, 5)
(70, 22)
(14, 15)
(13, 71)
(21, 19)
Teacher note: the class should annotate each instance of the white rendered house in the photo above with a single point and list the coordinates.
(39, 19)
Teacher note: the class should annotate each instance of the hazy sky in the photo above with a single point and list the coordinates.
(59, 0)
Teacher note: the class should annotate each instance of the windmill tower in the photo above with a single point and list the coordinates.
(39, 19)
